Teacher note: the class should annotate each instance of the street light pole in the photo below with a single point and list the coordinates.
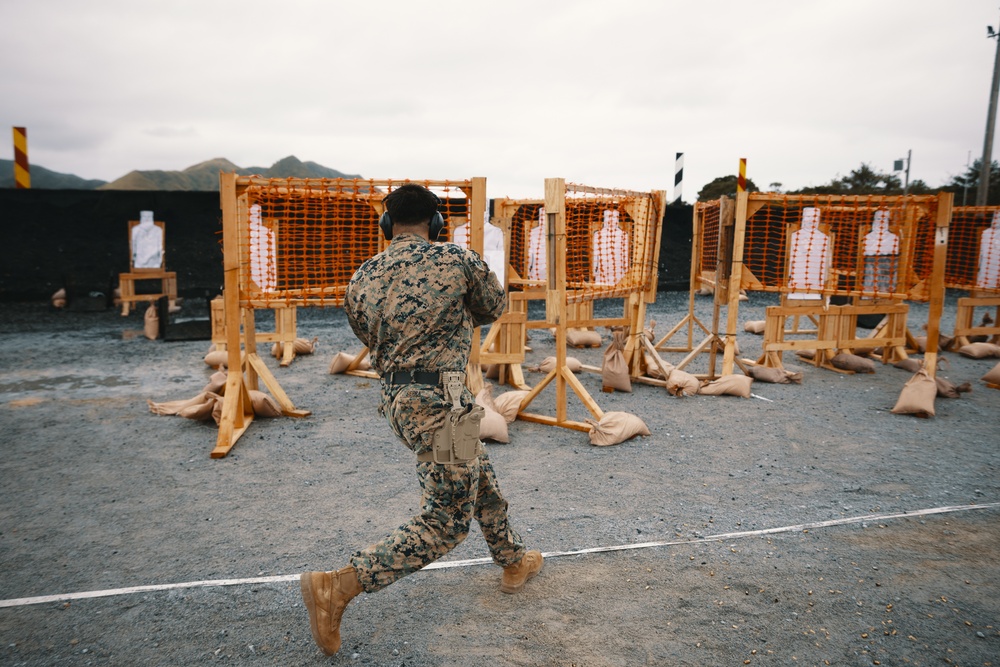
(984, 169)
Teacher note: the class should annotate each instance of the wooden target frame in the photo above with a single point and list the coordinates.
(637, 287)
(918, 274)
(975, 269)
(304, 266)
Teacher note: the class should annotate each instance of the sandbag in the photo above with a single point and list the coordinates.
(774, 375)
(508, 404)
(754, 326)
(653, 369)
(979, 350)
(614, 428)
(583, 338)
(493, 425)
(846, 361)
(151, 323)
(682, 383)
(202, 411)
(299, 346)
(948, 389)
(217, 358)
(174, 407)
(614, 370)
(992, 377)
(728, 385)
(342, 360)
(217, 383)
(909, 364)
(549, 363)
(917, 397)
(263, 404)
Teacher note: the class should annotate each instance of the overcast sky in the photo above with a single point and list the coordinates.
(600, 93)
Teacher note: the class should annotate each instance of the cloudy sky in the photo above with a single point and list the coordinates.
(601, 93)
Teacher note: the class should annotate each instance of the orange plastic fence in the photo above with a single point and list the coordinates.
(301, 240)
(610, 242)
(974, 249)
(707, 253)
(857, 246)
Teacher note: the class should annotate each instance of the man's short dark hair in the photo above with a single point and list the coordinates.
(411, 204)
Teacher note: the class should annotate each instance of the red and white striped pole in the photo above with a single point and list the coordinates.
(22, 174)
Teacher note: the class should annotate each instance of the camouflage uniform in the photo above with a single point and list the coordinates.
(415, 306)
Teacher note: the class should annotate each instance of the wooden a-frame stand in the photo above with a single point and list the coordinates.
(558, 313)
(697, 280)
(245, 368)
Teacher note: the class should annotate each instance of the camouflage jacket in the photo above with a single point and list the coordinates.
(415, 306)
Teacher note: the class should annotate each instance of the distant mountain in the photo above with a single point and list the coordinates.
(46, 179)
(202, 176)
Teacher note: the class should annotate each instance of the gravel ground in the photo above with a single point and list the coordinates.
(97, 493)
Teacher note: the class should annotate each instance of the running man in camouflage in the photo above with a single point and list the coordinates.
(415, 306)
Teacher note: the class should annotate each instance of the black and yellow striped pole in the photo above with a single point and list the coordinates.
(22, 174)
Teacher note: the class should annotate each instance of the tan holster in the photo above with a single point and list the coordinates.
(458, 440)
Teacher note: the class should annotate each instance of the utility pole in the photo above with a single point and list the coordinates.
(984, 169)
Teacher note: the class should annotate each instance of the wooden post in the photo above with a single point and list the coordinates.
(735, 279)
(937, 289)
(477, 208)
(237, 413)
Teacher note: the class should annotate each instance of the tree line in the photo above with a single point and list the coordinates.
(867, 181)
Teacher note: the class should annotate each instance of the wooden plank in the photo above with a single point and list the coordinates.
(552, 421)
(945, 201)
(736, 277)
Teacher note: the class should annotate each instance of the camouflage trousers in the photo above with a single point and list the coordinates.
(452, 495)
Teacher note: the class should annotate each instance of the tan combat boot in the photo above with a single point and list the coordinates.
(326, 595)
(515, 575)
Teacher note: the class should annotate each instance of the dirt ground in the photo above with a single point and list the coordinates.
(97, 493)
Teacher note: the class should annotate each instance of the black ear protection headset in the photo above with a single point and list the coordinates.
(435, 225)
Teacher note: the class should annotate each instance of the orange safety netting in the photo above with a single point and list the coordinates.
(301, 240)
(860, 246)
(706, 256)
(610, 243)
(974, 249)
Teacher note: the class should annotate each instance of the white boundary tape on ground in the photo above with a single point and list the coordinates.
(41, 599)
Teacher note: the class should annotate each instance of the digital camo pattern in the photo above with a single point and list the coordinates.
(415, 306)
(452, 495)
